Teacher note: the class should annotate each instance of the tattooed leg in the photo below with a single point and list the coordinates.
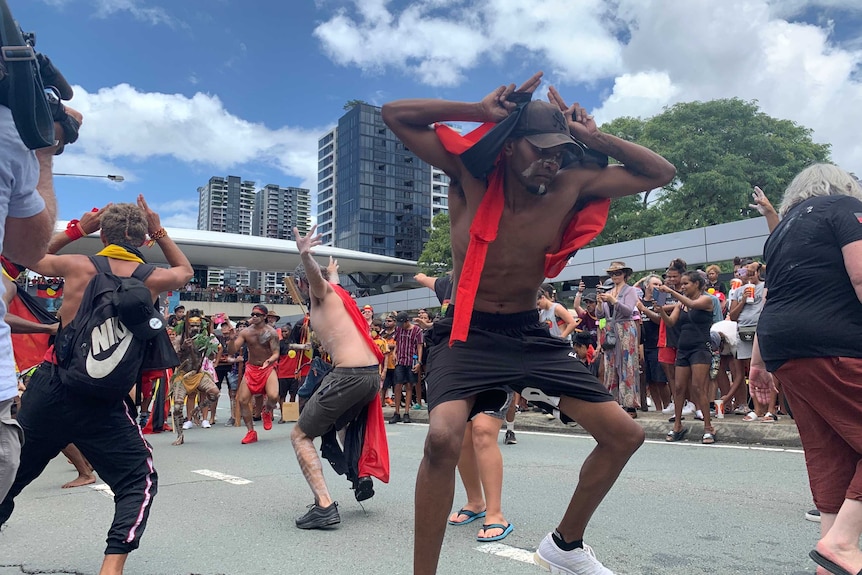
(311, 467)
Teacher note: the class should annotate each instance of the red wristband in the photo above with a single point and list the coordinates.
(73, 230)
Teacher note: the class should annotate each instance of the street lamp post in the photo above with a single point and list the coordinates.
(112, 177)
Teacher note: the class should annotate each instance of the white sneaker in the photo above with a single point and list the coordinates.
(669, 409)
(206, 424)
(188, 424)
(576, 562)
(649, 401)
(688, 408)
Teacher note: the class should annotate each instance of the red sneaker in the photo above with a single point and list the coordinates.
(250, 437)
(267, 419)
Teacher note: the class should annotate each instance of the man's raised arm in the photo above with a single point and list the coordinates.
(641, 169)
(410, 120)
(317, 284)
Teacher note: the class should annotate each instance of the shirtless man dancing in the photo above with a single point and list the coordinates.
(353, 382)
(513, 222)
(259, 376)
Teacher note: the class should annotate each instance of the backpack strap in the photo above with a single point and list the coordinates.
(143, 271)
(100, 262)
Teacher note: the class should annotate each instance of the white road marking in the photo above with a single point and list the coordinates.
(507, 551)
(103, 489)
(222, 477)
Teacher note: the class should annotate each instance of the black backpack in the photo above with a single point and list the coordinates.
(97, 355)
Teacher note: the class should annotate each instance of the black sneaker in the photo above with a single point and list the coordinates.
(319, 517)
(813, 515)
(510, 438)
(396, 418)
(406, 418)
(144, 417)
(364, 489)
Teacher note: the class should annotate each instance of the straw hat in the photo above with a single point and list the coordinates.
(619, 266)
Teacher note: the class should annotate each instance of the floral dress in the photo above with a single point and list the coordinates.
(622, 363)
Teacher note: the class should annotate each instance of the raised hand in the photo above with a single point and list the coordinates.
(154, 223)
(581, 124)
(496, 107)
(304, 244)
(91, 222)
(761, 202)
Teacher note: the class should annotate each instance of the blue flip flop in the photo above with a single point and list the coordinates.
(506, 530)
(471, 516)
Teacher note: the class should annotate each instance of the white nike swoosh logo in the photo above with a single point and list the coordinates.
(573, 354)
(99, 368)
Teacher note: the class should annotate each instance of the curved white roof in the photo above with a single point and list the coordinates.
(221, 250)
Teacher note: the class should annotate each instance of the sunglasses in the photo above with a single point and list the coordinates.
(617, 273)
(255, 314)
(390, 321)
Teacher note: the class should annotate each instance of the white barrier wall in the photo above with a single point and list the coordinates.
(744, 238)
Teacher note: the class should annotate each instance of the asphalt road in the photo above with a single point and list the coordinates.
(677, 509)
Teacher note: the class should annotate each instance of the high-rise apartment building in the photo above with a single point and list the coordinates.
(439, 192)
(226, 205)
(374, 195)
(277, 211)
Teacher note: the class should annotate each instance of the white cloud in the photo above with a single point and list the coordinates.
(739, 49)
(438, 46)
(655, 52)
(139, 10)
(122, 123)
(178, 213)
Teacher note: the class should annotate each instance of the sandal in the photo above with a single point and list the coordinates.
(708, 438)
(471, 516)
(676, 435)
(769, 418)
(506, 530)
(751, 417)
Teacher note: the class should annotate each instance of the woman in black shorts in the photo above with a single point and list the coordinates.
(693, 314)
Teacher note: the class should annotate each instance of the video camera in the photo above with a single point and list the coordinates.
(32, 87)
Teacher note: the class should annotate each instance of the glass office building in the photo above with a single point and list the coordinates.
(374, 195)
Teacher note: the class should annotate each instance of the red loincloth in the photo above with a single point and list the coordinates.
(256, 376)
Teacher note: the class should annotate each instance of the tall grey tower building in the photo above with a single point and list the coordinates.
(374, 195)
(277, 211)
(226, 205)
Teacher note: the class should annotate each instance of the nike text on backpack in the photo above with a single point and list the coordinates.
(101, 351)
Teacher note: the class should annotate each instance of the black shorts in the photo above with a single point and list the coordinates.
(287, 385)
(389, 380)
(652, 368)
(695, 356)
(341, 397)
(405, 374)
(504, 352)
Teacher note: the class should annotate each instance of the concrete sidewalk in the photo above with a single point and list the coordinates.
(731, 429)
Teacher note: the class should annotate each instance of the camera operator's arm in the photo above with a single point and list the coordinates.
(27, 229)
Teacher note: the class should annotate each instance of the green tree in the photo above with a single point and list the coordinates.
(436, 256)
(350, 104)
(721, 150)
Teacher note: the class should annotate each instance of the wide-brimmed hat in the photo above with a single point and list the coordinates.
(619, 266)
(273, 314)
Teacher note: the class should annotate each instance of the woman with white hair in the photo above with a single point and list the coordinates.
(818, 245)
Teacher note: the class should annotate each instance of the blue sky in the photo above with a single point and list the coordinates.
(177, 91)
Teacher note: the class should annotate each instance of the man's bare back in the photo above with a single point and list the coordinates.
(338, 334)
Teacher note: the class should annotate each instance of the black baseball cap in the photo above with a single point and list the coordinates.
(544, 125)
(136, 310)
(402, 317)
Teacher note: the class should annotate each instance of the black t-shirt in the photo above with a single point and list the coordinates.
(649, 329)
(443, 288)
(807, 275)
